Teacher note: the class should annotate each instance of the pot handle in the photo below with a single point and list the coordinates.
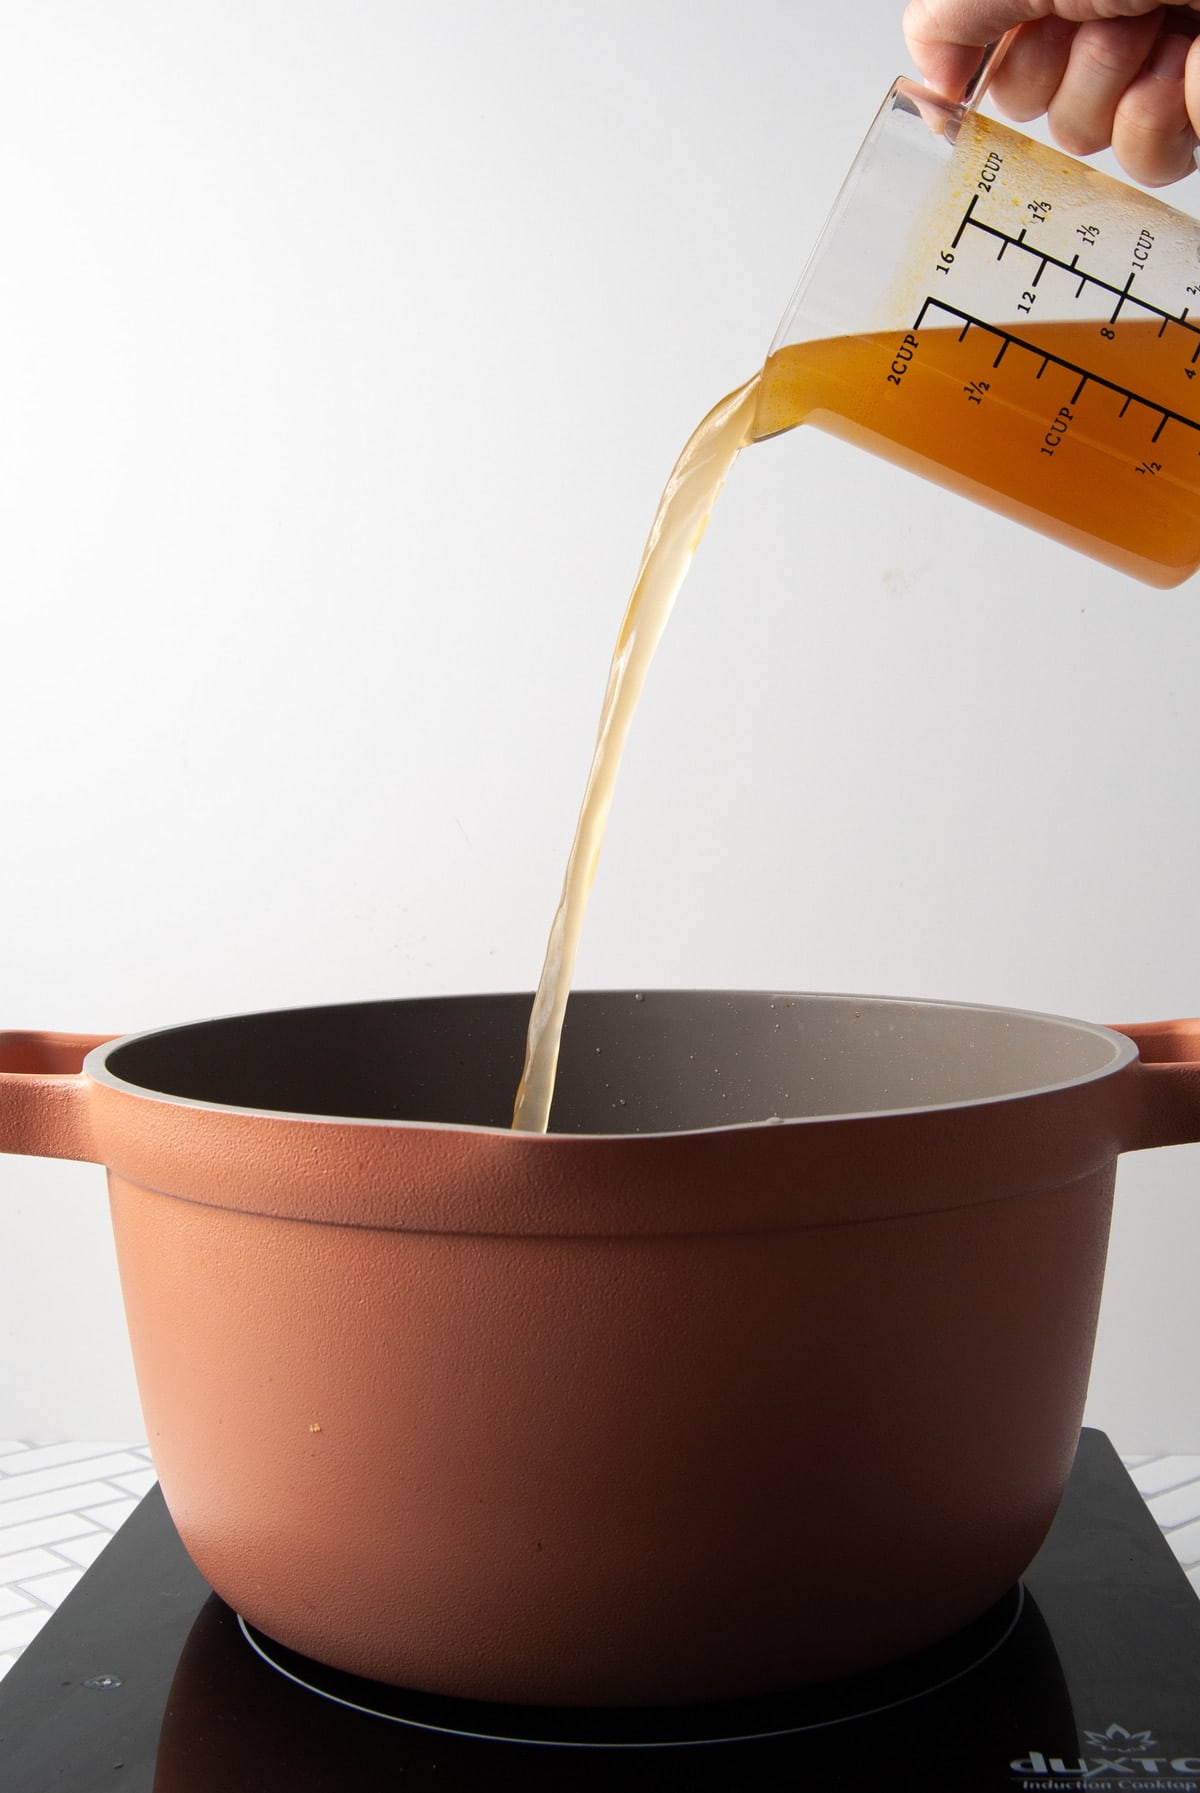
(1166, 1083)
(44, 1096)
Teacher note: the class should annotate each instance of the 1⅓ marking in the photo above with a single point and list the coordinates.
(1122, 294)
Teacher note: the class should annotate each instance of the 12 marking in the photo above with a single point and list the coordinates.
(1009, 339)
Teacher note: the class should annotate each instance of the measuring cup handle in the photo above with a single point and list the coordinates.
(993, 56)
(44, 1096)
(1165, 1083)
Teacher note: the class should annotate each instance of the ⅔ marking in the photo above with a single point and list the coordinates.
(1121, 294)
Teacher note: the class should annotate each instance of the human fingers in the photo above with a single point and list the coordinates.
(1033, 66)
(1191, 86)
(1106, 56)
(1152, 135)
(946, 37)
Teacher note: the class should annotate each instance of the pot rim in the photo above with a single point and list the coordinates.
(1123, 1050)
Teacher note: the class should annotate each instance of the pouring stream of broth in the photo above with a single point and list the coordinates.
(834, 383)
(683, 512)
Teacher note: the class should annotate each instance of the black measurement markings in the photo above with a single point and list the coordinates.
(1009, 340)
(1121, 294)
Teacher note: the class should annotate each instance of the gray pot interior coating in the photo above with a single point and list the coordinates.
(656, 1062)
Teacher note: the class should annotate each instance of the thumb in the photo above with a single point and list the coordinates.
(946, 38)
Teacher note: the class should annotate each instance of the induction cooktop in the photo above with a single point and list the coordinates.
(1085, 1675)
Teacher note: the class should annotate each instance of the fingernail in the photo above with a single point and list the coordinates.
(1169, 55)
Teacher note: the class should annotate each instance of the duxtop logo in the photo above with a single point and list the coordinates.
(1123, 1762)
(1117, 1736)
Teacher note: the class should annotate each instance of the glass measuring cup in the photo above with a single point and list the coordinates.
(1010, 323)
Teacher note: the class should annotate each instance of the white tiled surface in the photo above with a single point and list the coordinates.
(1171, 1486)
(60, 1504)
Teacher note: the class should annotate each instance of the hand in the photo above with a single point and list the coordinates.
(1124, 73)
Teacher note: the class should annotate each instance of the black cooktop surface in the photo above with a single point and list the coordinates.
(1088, 1675)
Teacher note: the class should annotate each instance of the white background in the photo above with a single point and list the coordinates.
(344, 349)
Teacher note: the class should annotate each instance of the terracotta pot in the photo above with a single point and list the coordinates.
(682, 1401)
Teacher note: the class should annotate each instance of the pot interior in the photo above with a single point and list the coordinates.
(662, 1061)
